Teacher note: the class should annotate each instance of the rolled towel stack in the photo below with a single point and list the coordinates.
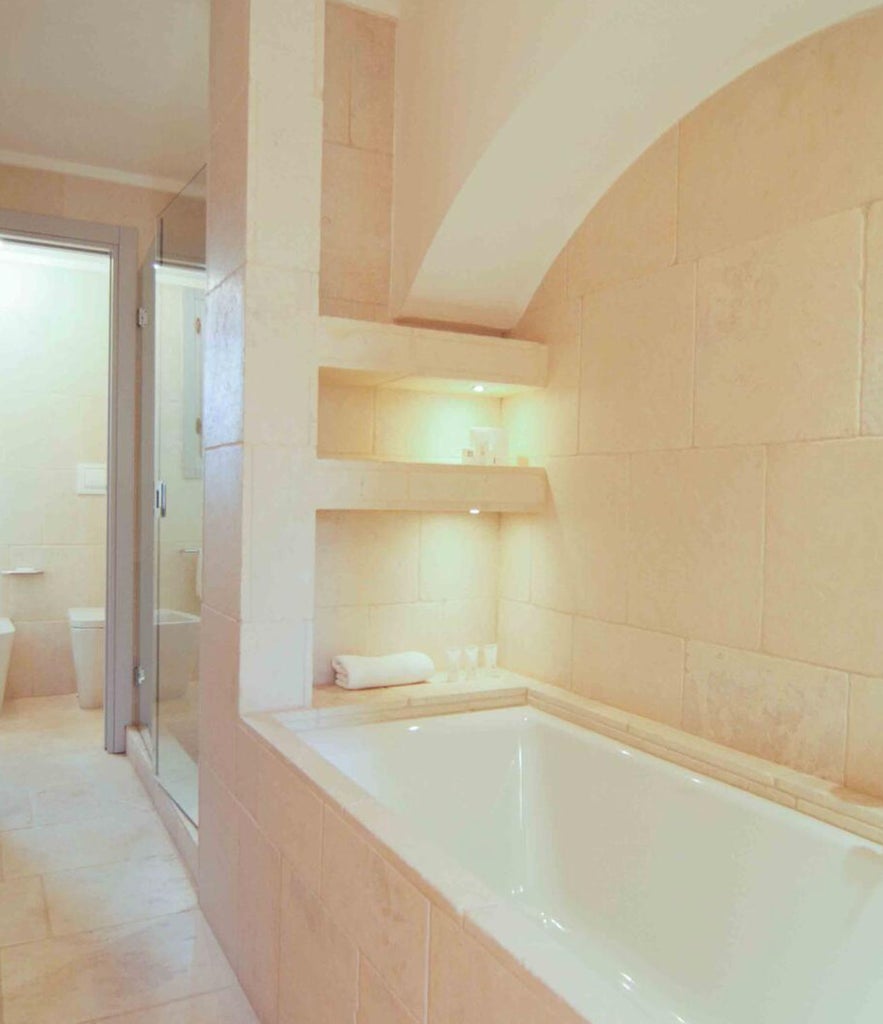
(354, 672)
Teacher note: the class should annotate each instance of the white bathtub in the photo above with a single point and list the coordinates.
(687, 901)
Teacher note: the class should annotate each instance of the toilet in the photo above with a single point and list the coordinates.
(177, 645)
(7, 636)
(87, 643)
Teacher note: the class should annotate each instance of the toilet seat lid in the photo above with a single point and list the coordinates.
(86, 618)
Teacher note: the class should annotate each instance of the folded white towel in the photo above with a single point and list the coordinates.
(354, 672)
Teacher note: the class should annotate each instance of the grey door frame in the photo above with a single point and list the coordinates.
(121, 245)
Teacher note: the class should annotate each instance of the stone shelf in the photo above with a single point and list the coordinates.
(369, 485)
(360, 352)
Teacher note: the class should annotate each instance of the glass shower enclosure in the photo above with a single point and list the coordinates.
(172, 317)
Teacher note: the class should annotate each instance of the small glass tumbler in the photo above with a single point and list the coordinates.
(454, 661)
(471, 662)
(489, 653)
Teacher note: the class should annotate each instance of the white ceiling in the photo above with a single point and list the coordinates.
(119, 85)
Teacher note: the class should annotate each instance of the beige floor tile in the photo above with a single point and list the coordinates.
(93, 975)
(15, 808)
(100, 840)
(110, 894)
(88, 798)
(22, 912)
(226, 1007)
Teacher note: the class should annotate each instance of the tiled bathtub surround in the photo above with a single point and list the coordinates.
(374, 916)
(711, 554)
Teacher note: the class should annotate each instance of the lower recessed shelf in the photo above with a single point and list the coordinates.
(345, 484)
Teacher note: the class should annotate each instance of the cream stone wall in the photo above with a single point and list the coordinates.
(359, 96)
(712, 556)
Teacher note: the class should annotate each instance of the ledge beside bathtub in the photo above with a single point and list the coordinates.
(826, 801)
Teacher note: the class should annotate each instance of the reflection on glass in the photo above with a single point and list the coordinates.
(179, 317)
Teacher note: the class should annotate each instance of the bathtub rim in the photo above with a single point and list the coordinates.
(521, 946)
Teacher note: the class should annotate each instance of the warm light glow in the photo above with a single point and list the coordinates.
(474, 511)
(478, 387)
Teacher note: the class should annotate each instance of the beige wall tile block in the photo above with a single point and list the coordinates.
(319, 977)
(218, 698)
(794, 138)
(515, 557)
(459, 555)
(556, 572)
(372, 95)
(284, 131)
(275, 664)
(824, 554)
(377, 1005)
(697, 543)
(872, 352)
(420, 427)
(280, 537)
(338, 71)
(248, 758)
(784, 711)
(319, 983)
(557, 326)
(401, 627)
(636, 380)
(361, 277)
(222, 556)
(338, 630)
(219, 860)
(778, 346)
(632, 669)
(330, 306)
(73, 578)
(290, 814)
(590, 498)
(864, 751)
(365, 558)
(535, 641)
(378, 908)
(23, 917)
(346, 420)
(259, 885)
(633, 228)
(356, 198)
(226, 209)
(468, 985)
(223, 362)
(228, 55)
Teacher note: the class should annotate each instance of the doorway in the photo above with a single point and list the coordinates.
(67, 476)
(173, 305)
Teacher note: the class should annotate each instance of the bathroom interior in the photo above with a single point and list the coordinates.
(507, 432)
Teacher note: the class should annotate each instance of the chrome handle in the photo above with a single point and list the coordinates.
(21, 572)
(189, 551)
(160, 498)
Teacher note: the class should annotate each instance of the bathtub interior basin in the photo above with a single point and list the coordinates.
(698, 902)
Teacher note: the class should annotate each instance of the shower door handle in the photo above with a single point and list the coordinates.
(160, 501)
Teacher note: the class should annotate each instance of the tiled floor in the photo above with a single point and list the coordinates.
(98, 919)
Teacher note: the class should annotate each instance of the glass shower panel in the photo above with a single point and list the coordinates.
(179, 317)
